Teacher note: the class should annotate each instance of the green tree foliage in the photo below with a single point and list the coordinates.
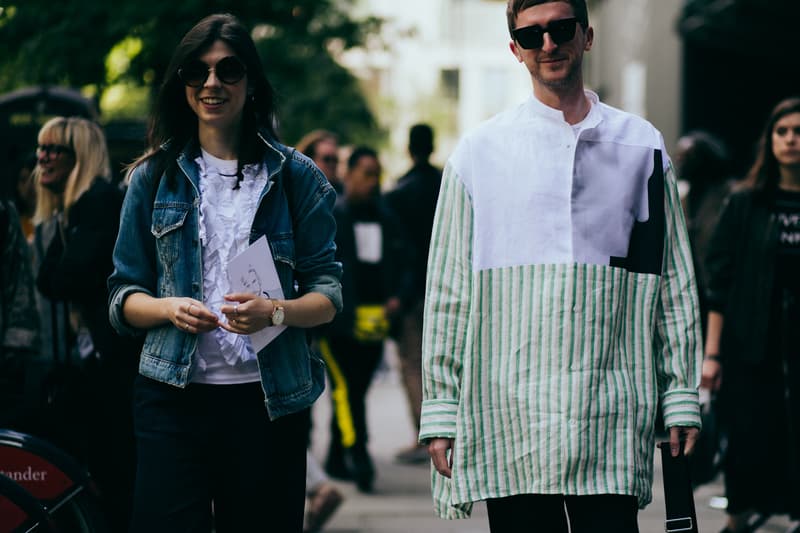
(67, 42)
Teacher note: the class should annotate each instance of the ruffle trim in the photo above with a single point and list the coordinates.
(226, 215)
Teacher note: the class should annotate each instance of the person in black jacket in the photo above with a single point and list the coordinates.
(414, 201)
(19, 321)
(77, 217)
(753, 342)
(371, 248)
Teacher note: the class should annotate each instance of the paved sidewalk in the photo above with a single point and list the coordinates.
(402, 503)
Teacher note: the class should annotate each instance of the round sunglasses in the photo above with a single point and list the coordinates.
(532, 37)
(229, 70)
(53, 149)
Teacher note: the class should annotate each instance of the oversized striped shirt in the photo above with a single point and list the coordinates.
(560, 308)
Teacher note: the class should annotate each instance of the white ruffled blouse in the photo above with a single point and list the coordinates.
(226, 216)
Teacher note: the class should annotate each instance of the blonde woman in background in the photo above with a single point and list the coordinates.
(77, 218)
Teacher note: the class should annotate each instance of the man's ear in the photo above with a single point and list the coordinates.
(589, 39)
(515, 50)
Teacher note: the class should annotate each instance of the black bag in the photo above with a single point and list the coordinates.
(678, 493)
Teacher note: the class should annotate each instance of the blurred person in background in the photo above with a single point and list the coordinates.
(78, 208)
(221, 427)
(702, 161)
(323, 497)
(25, 194)
(752, 354)
(372, 251)
(322, 147)
(413, 200)
(19, 320)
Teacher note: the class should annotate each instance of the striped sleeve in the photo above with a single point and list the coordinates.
(678, 349)
(447, 308)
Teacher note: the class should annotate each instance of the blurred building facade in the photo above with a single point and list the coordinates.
(635, 63)
(739, 60)
(718, 65)
(445, 62)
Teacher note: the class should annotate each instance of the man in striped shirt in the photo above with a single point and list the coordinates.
(560, 305)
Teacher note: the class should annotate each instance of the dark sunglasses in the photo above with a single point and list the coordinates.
(228, 70)
(532, 37)
(53, 149)
(330, 159)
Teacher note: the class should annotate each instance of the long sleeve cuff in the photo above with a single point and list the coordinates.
(115, 314)
(438, 419)
(681, 407)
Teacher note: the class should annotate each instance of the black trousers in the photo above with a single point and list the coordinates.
(208, 454)
(545, 513)
(352, 368)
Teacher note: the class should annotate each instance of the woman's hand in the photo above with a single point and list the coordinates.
(712, 374)
(246, 313)
(191, 316)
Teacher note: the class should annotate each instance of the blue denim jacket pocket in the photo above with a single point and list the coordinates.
(168, 219)
(283, 255)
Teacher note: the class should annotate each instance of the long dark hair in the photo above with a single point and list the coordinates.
(764, 175)
(172, 121)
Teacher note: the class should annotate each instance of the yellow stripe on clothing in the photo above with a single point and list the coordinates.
(341, 404)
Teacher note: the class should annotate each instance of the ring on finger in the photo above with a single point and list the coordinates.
(236, 309)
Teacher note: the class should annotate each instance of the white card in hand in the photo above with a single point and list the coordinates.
(254, 271)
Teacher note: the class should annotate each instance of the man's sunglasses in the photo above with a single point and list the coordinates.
(53, 149)
(532, 37)
(228, 70)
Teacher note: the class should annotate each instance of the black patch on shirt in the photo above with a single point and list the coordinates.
(646, 248)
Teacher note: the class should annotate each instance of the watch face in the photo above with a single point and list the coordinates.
(277, 316)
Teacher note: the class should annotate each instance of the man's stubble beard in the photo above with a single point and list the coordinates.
(572, 77)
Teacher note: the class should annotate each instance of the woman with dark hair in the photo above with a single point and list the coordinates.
(221, 425)
(753, 342)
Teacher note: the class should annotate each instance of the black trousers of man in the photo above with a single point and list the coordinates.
(557, 513)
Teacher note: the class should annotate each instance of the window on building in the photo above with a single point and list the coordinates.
(449, 80)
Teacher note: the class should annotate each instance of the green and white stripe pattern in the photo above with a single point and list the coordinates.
(548, 375)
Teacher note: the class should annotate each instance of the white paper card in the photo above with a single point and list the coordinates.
(369, 242)
(253, 271)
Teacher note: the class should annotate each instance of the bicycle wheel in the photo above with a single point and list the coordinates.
(20, 512)
(79, 514)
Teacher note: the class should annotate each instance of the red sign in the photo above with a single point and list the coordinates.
(11, 516)
(41, 478)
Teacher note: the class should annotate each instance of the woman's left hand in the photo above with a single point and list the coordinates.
(246, 313)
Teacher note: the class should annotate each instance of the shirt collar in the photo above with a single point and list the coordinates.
(591, 120)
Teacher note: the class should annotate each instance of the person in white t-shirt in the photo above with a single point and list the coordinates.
(220, 424)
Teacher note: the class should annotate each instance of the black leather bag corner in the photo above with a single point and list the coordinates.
(681, 516)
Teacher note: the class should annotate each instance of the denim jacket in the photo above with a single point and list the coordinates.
(158, 252)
